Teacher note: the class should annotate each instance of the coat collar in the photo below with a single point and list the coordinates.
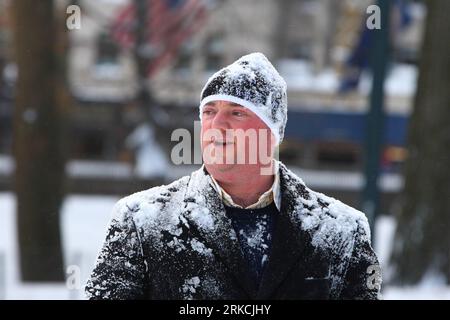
(204, 210)
(273, 194)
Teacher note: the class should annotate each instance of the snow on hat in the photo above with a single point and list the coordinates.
(254, 83)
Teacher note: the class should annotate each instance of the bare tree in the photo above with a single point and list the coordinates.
(422, 242)
(37, 140)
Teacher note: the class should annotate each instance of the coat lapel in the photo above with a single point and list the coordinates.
(290, 241)
(207, 219)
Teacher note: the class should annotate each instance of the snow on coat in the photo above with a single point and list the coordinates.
(175, 242)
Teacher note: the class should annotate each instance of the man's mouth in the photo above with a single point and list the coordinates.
(222, 143)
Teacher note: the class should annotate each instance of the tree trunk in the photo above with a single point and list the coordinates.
(153, 113)
(37, 141)
(280, 35)
(422, 242)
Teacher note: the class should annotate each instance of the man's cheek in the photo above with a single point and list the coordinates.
(202, 134)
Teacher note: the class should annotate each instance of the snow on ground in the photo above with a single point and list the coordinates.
(415, 293)
(383, 239)
(432, 287)
(84, 221)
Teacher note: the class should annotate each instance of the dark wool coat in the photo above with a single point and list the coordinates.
(175, 242)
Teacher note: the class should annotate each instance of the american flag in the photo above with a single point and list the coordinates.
(169, 24)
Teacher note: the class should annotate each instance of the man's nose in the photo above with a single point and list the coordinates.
(220, 120)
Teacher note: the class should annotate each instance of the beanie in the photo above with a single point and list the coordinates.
(254, 83)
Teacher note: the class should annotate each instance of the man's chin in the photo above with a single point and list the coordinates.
(220, 167)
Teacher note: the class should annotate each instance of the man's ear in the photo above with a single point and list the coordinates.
(273, 140)
(273, 143)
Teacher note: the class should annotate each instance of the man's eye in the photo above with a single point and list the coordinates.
(207, 112)
(238, 113)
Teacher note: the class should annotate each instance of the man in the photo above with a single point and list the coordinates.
(242, 226)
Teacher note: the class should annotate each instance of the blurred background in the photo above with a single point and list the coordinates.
(91, 91)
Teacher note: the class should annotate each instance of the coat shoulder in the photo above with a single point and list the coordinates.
(152, 206)
(329, 221)
(334, 222)
(352, 219)
(338, 231)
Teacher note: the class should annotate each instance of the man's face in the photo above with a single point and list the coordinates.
(234, 139)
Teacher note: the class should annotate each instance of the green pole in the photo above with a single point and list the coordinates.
(375, 115)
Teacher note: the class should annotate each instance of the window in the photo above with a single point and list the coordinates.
(214, 52)
(107, 50)
(184, 57)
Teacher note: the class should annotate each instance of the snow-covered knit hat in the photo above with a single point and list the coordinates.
(254, 83)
